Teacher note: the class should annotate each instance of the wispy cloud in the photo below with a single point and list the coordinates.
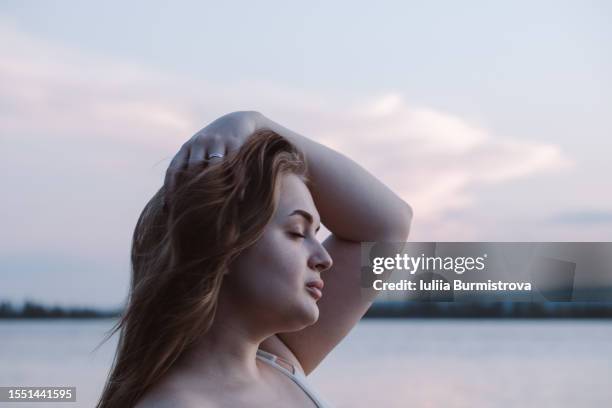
(81, 134)
(56, 95)
(582, 217)
(436, 158)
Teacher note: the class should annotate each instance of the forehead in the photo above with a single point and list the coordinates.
(294, 194)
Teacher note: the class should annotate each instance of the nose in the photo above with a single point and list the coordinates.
(320, 260)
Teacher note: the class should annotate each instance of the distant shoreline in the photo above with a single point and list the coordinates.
(494, 310)
(35, 310)
(424, 310)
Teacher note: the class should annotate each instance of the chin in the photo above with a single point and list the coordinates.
(312, 313)
(306, 315)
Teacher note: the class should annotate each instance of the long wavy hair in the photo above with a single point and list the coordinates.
(180, 253)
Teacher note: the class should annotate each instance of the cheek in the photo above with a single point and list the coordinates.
(271, 276)
(282, 260)
(273, 269)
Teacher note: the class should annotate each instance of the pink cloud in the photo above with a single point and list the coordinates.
(90, 137)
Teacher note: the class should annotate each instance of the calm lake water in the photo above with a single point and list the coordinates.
(384, 363)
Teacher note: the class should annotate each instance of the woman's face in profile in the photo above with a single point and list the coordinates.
(269, 279)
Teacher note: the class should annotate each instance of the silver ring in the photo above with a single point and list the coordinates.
(211, 155)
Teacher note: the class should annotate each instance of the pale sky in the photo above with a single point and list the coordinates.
(492, 120)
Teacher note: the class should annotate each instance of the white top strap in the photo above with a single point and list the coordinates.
(297, 376)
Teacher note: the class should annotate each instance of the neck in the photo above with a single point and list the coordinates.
(227, 350)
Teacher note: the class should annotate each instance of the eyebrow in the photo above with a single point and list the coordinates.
(306, 215)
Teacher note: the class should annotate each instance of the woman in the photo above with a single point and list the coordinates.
(227, 306)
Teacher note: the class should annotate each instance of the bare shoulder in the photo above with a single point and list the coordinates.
(171, 397)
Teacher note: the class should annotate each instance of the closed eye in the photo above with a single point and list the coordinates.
(297, 234)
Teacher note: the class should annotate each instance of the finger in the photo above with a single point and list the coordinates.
(196, 156)
(232, 147)
(177, 165)
(216, 147)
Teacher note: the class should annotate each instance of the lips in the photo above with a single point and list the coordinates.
(315, 288)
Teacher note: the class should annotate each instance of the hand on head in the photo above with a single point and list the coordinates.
(210, 145)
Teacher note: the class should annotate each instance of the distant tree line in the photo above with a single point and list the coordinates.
(491, 310)
(403, 309)
(35, 310)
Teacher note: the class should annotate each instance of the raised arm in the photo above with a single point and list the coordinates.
(356, 207)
